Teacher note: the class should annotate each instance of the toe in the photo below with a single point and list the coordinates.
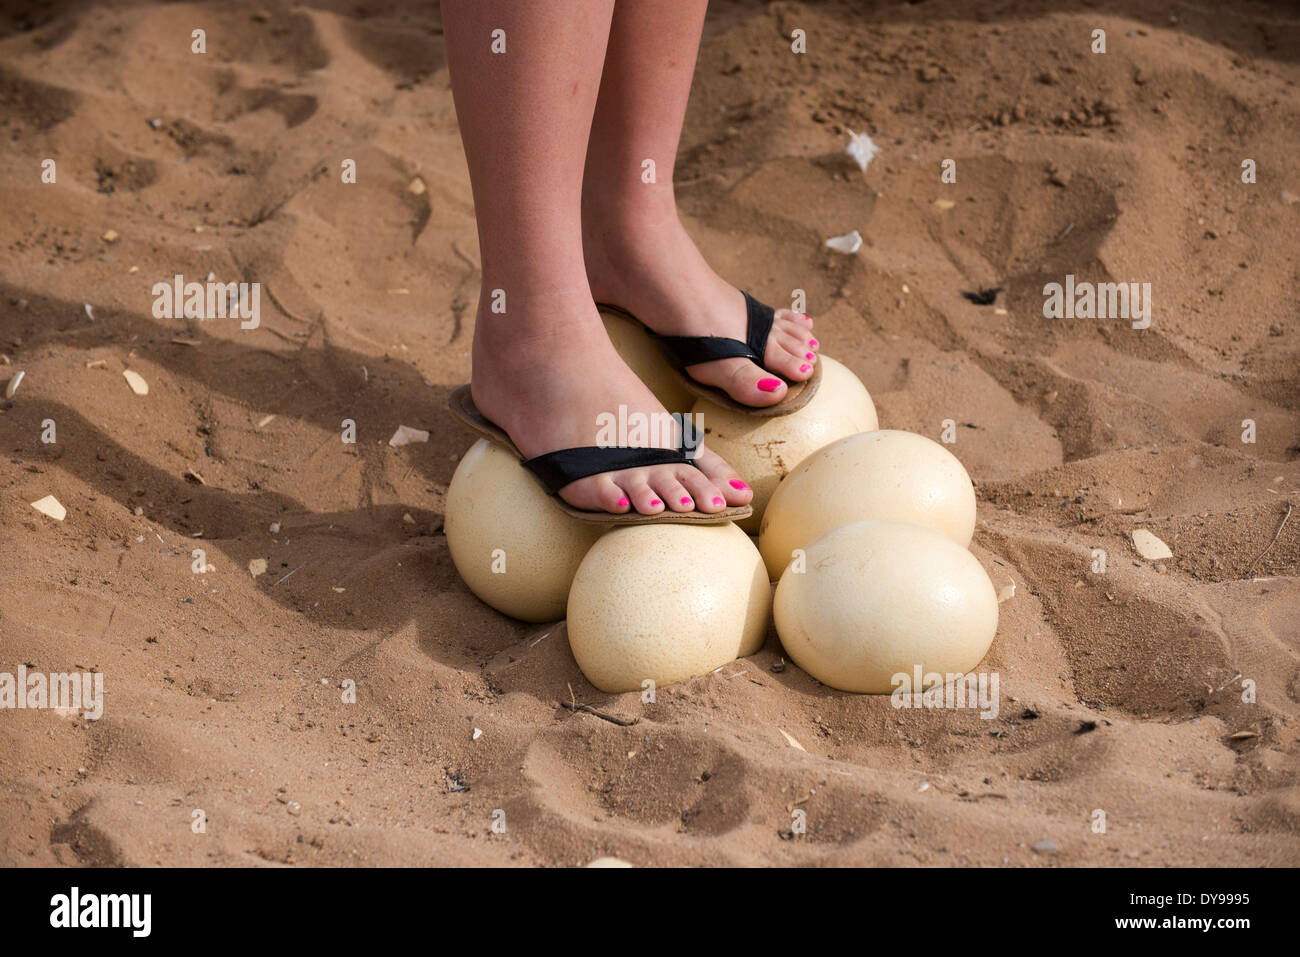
(742, 380)
(644, 499)
(796, 342)
(599, 493)
(787, 356)
(800, 332)
(610, 494)
(789, 315)
(735, 490)
(675, 495)
(708, 497)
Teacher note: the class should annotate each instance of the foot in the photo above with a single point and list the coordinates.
(547, 372)
(644, 261)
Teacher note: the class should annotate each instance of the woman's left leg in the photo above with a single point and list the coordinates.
(638, 254)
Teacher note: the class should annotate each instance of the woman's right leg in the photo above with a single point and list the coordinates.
(543, 368)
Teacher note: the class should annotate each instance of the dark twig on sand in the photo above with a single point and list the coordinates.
(1276, 536)
(611, 718)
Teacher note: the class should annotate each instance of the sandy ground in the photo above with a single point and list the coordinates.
(1121, 692)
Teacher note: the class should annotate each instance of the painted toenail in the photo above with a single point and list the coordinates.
(805, 367)
(737, 483)
(655, 503)
(769, 385)
(813, 343)
(686, 501)
(623, 500)
(808, 355)
(718, 500)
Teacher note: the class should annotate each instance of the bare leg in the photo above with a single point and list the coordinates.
(544, 369)
(639, 256)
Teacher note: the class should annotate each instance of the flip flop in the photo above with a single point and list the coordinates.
(682, 351)
(554, 470)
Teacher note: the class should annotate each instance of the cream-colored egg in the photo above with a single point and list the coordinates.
(511, 545)
(643, 357)
(763, 450)
(875, 599)
(884, 474)
(666, 603)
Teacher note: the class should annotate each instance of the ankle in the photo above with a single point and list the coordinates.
(533, 305)
(628, 211)
(515, 332)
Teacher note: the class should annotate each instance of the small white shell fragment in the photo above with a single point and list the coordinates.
(110, 236)
(50, 506)
(849, 243)
(416, 187)
(609, 862)
(13, 384)
(1006, 592)
(478, 733)
(265, 420)
(792, 742)
(90, 311)
(275, 528)
(136, 382)
(406, 517)
(405, 435)
(257, 567)
(861, 149)
(944, 203)
(1150, 547)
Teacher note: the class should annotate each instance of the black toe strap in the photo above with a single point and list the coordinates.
(558, 469)
(684, 351)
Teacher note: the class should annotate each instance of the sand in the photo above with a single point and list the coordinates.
(1120, 692)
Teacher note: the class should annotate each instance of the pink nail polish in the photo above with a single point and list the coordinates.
(808, 355)
(686, 501)
(769, 385)
(655, 503)
(805, 367)
(623, 500)
(737, 483)
(813, 343)
(718, 500)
